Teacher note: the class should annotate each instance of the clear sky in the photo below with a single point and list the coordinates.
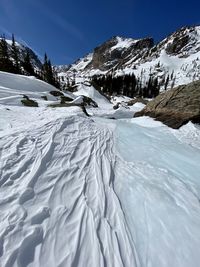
(69, 29)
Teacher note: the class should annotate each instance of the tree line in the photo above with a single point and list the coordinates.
(127, 85)
(19, 62)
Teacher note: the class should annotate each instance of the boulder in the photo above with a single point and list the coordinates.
(175, 107)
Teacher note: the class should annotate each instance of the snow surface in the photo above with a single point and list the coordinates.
(157, 180)
(91, 92)
(78, 191)
(13, 87)
(123, 43)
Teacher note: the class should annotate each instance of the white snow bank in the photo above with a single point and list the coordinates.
(91, 92)
(190, 134)
(13, 87)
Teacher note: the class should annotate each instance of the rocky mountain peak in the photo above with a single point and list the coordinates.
(117, 51)
(182, 43)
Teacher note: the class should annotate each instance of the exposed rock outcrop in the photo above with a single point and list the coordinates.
(137, 100)
(175, 107)
(117, 51)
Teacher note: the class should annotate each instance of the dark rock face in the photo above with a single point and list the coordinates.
(179, 40)
(175, 107)
(106, 56)
(176, 46)
(180, 43)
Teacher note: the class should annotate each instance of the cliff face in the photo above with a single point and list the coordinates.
(117, 51)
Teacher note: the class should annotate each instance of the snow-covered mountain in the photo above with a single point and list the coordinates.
(177, 56)
(36, 62)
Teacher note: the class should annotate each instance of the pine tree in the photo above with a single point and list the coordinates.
(166, 82)
(15, 56)
(134, 84)
(149, 88)
(28, 68)
(50, 73)
(156, 87)
(5, 62)
(47, 70)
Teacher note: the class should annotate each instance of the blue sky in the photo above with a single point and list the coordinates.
(69, 29)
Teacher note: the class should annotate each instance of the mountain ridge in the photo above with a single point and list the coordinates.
(176, 55)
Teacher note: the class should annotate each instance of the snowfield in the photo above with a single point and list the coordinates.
(13, 87)
(91, 191)
(157, 180)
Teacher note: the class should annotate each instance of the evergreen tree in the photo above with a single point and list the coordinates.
(133, 86)
(27, 65)
(166, 82)
(50, 72)
(156, 88)
(15, 56)
(5, 62)
(47, 70)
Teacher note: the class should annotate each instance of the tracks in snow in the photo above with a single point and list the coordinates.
(57, 202)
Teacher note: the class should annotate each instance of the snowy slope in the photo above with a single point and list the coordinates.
(91, 92)
(123, 43)
(57, 200)
(157, 181)
(68, 72)
(177, 55)
(78, 191)
(13, 87)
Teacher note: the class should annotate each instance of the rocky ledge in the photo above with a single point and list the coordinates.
(175, 107)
